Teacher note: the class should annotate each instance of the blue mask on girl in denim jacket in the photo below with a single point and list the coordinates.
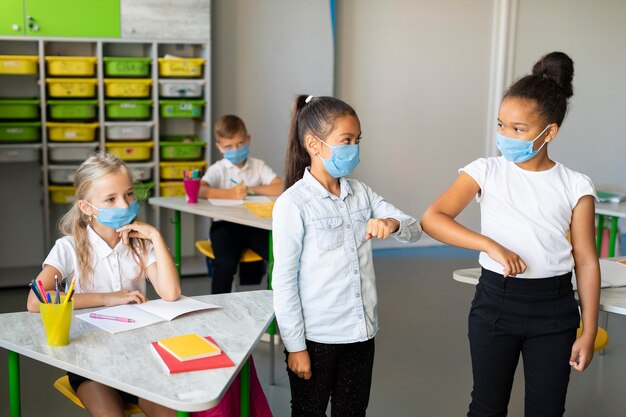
(343, 159)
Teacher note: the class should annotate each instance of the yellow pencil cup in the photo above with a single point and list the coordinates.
(57, 319)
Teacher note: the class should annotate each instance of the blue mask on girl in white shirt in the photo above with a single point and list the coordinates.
(518, 150)
(116, 217)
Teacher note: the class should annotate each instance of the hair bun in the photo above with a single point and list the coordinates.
(557, 67)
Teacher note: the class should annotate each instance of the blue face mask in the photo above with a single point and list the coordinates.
(116, 217)
(343, 159)
(518, 150)
(237, 155)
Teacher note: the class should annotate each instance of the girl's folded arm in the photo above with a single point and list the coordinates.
(163, 274)
(409, 230)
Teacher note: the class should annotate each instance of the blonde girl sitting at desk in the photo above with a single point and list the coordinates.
(110, 255)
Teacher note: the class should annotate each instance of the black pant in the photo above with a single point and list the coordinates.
(342, 372)
(535, 317)
(229, 241)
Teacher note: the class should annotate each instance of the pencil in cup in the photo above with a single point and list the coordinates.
(57, 319)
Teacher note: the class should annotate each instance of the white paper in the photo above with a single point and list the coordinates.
(257, 199)
(169, 310)
(612, 274)
(145, 314)
(224, 202)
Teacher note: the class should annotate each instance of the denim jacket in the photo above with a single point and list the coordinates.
(323, 277)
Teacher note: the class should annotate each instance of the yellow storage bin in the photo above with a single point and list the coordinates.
(71, 87)
(18, 64)
(127, 87)
(71, 65)
(172, 189)
(174, 170)
(62, 194)
(180, 67)
(131, 151)
(72, 132)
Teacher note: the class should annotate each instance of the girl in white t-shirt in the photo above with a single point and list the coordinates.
(110, 255)
(537, 225)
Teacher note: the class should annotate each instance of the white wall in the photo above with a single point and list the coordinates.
(264, 54)
(592, 32)
(416, 72)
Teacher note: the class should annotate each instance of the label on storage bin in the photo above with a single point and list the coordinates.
(15, 130)
(70, 134)
(128, 130)
(128, 105)
(11, 63)
(185, 106)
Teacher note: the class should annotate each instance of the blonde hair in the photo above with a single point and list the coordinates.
(74, 223)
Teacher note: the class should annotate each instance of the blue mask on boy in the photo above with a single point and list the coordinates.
(237, 155)
(116, 217)
(343, 159)
(518, 150)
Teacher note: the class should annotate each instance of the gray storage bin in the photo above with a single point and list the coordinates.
(70, 152)
(62, 174)
(181, 88)
(18, 154)
(129, 131)
(141, 172)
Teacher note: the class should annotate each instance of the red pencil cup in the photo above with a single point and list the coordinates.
(192, 188)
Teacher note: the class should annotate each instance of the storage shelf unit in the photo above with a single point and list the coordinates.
(123, 118)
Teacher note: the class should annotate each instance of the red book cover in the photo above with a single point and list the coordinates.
(174, 366)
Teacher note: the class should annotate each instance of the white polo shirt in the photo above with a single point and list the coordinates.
(254, 173)
(529, 213)
(114, 269)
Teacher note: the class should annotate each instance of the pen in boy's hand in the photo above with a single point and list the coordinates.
(249, 191)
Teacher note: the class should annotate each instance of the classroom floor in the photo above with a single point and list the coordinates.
(422, 365)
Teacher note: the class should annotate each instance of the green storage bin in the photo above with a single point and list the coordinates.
(143, 190)
(181, 148)
(20, 132)
(73, 109)
(22, 109)
(128, 109)
(181, 108)
(126, 66)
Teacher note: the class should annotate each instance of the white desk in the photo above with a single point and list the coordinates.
(612, 300)
(235, 214)
(237, 327)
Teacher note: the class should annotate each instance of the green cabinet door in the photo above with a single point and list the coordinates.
(11, 17)
(72, 18)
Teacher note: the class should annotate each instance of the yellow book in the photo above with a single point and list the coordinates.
(189, 346)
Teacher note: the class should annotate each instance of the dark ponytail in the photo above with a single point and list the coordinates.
(316, 116)
(549, 85)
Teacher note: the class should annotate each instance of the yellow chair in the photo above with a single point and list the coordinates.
(602, 338)
(205, 247)
(63, 386)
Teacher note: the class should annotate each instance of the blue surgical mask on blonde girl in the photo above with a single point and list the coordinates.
(110, 191)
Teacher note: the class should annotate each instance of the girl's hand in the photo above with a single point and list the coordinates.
(511, 261)
(300, 364)
(582, 353)
(124, 297)
(138, 229)
(381, 228)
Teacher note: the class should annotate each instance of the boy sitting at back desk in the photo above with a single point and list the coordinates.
(234, 177)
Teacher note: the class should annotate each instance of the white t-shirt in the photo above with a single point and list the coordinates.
(528, 213)
(114, 269)
(254, 173)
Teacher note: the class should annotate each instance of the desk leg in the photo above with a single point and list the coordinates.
(599, 233)
(15, 405)
(244, 390)
(613, 236)
(271, 330)
(177, 257)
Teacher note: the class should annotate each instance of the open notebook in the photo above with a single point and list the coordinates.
(145, 314)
